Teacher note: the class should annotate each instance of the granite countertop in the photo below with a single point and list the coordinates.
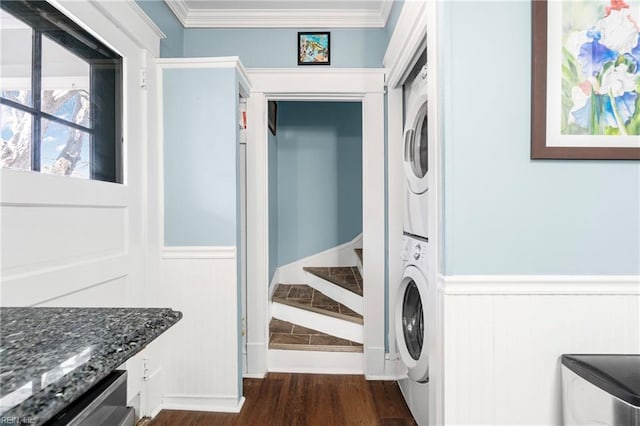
(51, 356)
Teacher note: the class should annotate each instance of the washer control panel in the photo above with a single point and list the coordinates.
(414, 252)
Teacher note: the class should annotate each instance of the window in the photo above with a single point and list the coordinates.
(60, 95)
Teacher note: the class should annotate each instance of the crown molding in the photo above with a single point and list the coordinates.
(180, 9)
(385, 11)
(279, 18)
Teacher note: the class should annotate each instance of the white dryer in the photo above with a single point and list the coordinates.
(416, 153)
(412, 298)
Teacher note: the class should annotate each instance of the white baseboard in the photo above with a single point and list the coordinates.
(312, 362)
(254, 375)
(156, 411)
(224, 404)
(324, 323)
(256, 359)
(356, 243)
(394, 369)
(342, 255)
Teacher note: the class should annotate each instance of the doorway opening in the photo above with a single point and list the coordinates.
(363, 86)
(315, 227)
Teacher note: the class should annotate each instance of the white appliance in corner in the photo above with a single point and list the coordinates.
(416, 151)
(412, 331)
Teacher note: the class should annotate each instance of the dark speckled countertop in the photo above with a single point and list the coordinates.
(51, 356)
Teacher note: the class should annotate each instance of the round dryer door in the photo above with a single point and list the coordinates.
(411, 328)
(416, 149)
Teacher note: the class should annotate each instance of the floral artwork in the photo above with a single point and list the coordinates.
(313, 48)
(600, 68)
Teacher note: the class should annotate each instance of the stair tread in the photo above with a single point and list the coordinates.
(307, 298)
(346, 277)
(288, 336)
(360, 254)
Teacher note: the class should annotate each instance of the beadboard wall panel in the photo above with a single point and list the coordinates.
(502, 351)
(201, 364)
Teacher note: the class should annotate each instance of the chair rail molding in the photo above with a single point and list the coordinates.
(208, 252)
(541, 284)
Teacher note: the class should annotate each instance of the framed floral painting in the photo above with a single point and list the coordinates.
(586, 79)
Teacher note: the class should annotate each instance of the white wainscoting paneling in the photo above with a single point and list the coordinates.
(201, 361)
(503, 341)
(109, 294)
(46, 236)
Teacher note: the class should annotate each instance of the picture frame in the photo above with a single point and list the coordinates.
(572, 114)
(314, 48)
(272, 116)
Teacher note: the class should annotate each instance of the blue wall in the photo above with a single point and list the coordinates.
(319, 177)
(159, 12)
(200, 158)
(504, 213)
(266, 47)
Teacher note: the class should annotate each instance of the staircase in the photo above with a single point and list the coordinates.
(322, 315)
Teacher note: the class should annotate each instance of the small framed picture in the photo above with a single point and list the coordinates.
(272, 116)
(314, 48)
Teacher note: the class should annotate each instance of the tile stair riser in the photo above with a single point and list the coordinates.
(337, 293)
(319, 309)
(329, 325)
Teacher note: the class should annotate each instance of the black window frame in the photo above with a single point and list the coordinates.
(105, 128)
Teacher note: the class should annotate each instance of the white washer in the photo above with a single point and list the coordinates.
(416, 155)
(412, 329)
(412, 298)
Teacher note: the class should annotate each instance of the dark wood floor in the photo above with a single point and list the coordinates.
(306, 399)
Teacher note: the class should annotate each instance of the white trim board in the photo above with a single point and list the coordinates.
(210, 62)
(124, 15)
(280, 18)
(326, 84)
(210, 403)
(312, 362)
(541, 285)
(407, 39)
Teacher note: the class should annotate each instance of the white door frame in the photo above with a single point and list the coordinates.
(333, 84)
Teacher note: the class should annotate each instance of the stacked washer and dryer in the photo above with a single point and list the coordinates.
(415, 292)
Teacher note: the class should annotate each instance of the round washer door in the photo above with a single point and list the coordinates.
(411, 328)
(416, 148)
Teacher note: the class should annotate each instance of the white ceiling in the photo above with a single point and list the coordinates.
(310, 14)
